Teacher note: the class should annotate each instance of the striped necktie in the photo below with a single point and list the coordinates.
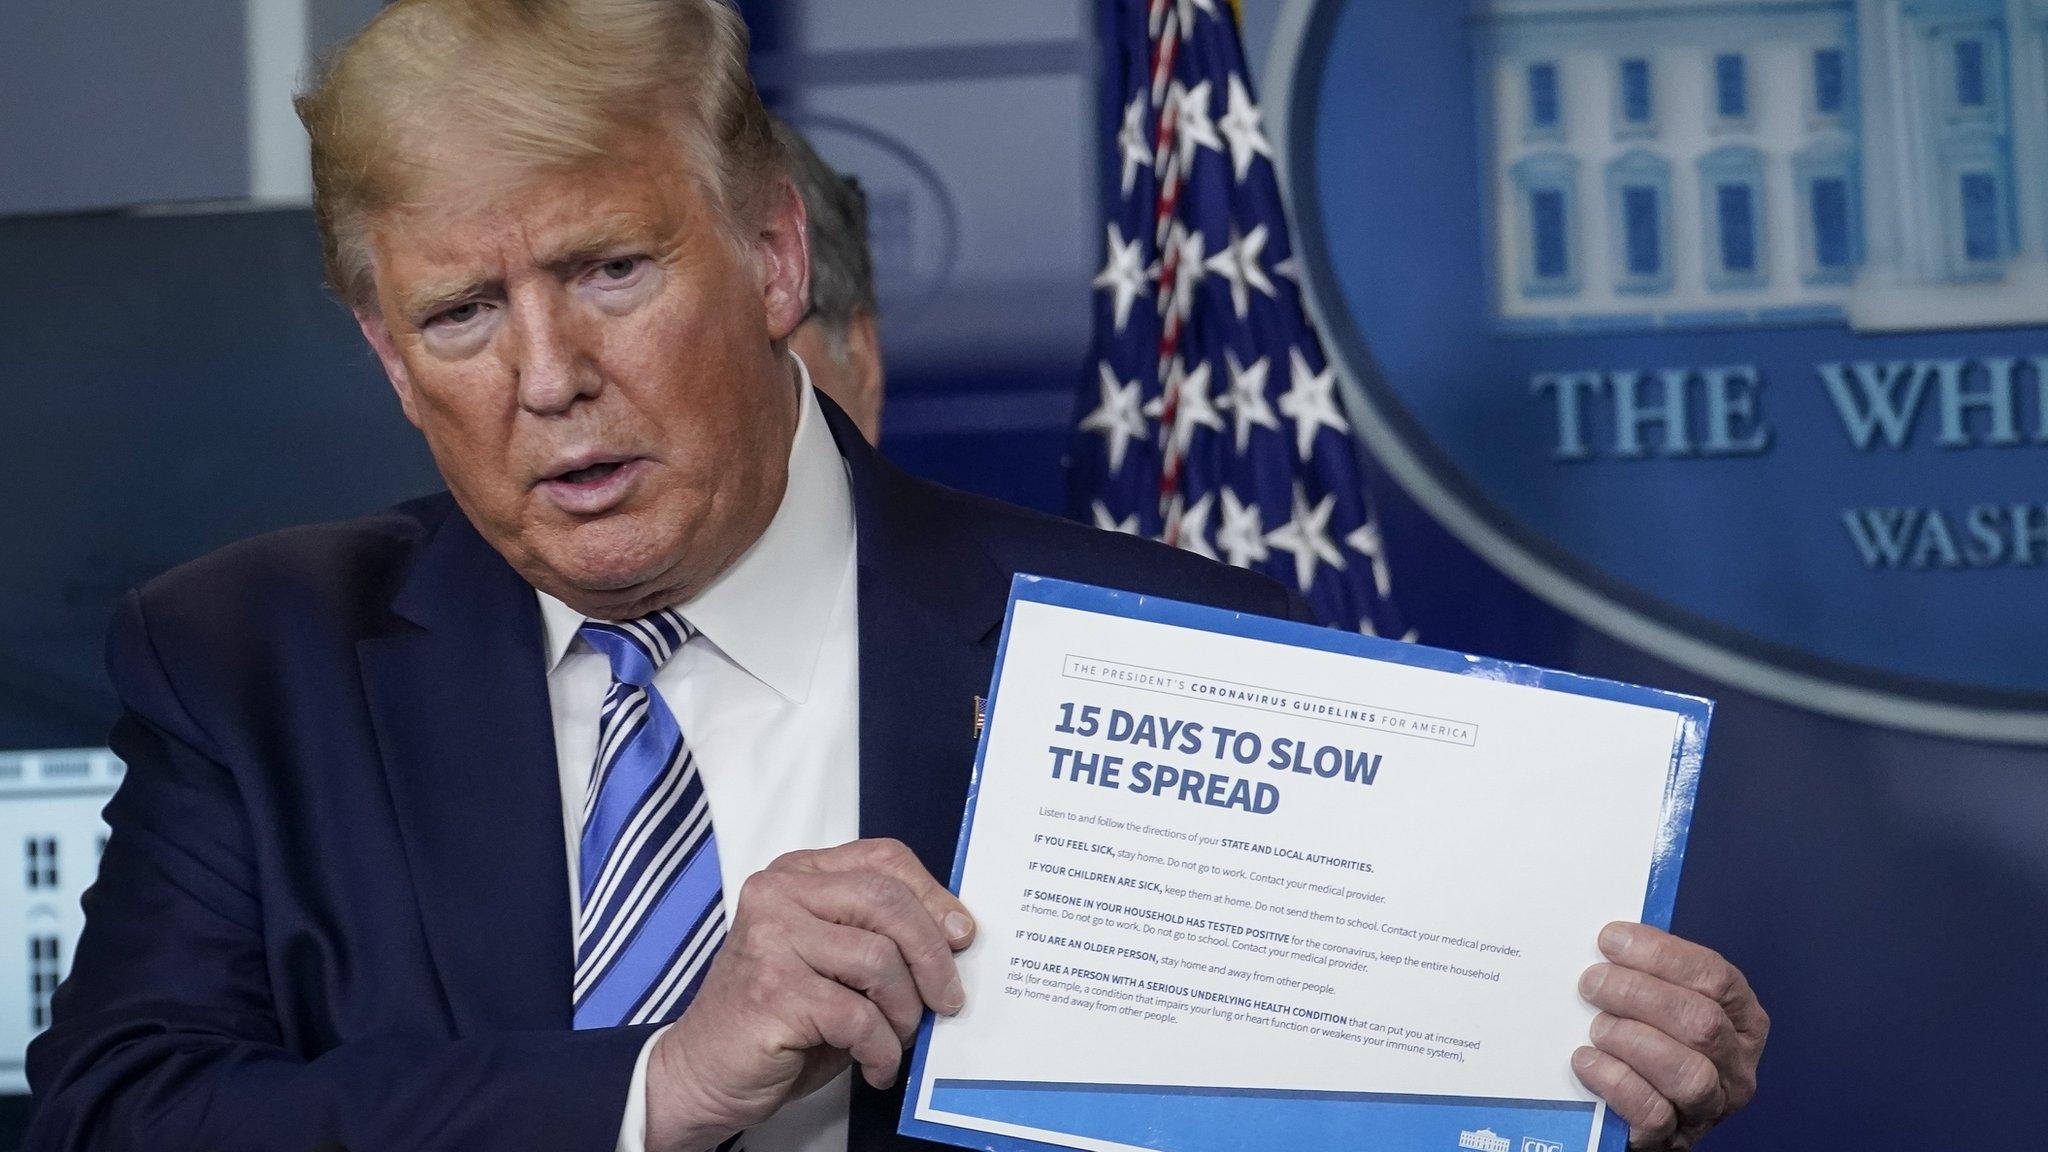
(651, 911)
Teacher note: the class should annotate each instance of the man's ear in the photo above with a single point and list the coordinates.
(783, 247)
(378, 334)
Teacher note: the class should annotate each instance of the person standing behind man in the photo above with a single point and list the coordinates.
(837, 338)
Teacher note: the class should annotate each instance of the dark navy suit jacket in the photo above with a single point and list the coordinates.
(335, 903)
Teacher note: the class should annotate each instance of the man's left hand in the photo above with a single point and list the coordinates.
(1677, 1040)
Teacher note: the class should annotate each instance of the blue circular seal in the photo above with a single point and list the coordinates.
(1721, 325)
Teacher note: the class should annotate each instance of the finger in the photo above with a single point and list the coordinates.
(867, 963)
(1651, 1118)
(1680, 1013)
(1688, 1079)
(1687, 965)
(884, 905)
(846, 1020)
(893, 858)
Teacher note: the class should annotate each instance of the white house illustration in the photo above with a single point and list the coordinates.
(50, 813)
(1704, 163)
(1484, 1140)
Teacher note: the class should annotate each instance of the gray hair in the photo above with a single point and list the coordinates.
(487, 91)
(842, 268)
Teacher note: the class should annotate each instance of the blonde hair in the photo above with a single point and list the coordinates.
(493, 88)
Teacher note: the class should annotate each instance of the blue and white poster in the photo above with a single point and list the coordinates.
(1247, 884)
(1718, 323)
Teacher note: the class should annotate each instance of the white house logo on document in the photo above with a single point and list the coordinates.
(1483, 1140)
(1716, 323)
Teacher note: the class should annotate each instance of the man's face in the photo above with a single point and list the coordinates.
(596, 366)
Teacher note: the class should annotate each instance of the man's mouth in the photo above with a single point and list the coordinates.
(589, 487)
(591, 474)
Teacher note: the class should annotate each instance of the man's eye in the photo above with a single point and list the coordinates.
(619, 269)
(459, 315)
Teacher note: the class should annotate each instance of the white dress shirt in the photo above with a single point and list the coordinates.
(767, 697)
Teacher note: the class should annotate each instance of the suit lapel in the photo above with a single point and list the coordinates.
(460, 703)
(931, 603)
(918, 680)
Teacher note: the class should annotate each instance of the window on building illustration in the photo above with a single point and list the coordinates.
(1545, 113)
(40, 858)
(1833, 249)
(1732, 197)
(1637, 105)
(1639, 210)
(1829, 218)
(1731, 86)
(43, 964)
(1830, 82)
(1735, 207)
(1547, 234)
(1545, 186)
(1981, 242)
(1970, 89)
(1971, 69)
(1642, 230)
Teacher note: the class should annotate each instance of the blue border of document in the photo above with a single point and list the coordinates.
(1310, 1113)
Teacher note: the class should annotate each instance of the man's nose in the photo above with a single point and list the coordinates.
(554, 369)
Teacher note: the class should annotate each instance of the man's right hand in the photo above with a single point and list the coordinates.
(831, 960)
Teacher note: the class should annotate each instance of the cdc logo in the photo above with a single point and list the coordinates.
(1534, 1145)
(1722, 326)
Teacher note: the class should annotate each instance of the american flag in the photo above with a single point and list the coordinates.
(1210, 417)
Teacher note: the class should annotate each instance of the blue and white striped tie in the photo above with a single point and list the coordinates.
(652, 911)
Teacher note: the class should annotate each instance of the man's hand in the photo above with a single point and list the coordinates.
(832, 959)
(1676, 1044)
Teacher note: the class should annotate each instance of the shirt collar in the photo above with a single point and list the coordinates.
(769, 609)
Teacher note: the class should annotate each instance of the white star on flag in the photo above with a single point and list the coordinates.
(1243, 536)
(1137, 149)
(1193, 524)
(1248, 398)
(1366, 542)
(1192, 407)
(1311, 402)
(1108, 523)
(1188, 270)
(1308, 537)
(1188, 9)
(1124, 274)
(1194, 130)
(1118, 417)
(1241, 126)
(1240, 265)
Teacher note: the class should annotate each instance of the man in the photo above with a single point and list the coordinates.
(837, 340)
(525, 816)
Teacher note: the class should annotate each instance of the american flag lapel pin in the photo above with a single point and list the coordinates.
(980, 716)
